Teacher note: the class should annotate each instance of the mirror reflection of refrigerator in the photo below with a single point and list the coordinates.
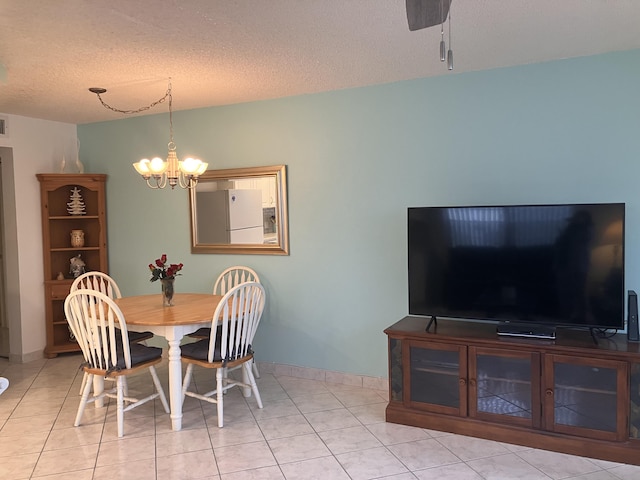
(231, 216)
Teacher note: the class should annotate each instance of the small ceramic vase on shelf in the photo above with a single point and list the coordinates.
(167, 291)
(77, 238)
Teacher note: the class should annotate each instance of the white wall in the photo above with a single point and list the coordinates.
(31, 146)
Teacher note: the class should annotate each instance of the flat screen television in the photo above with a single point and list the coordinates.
(529, 267)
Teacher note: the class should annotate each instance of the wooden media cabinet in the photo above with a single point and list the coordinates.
(569, 395)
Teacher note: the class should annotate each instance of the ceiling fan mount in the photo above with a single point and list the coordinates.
(427, 13)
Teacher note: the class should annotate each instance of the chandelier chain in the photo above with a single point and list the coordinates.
(172, 145)
(141, 109)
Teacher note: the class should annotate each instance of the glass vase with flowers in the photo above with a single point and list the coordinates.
(166, 273)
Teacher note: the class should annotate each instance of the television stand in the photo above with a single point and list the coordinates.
(568, 395)
(433, 321)
(525, 330)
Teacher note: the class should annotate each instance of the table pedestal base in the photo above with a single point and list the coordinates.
(175, 384)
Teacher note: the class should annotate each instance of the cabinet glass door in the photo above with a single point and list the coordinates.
(586, 397)
(634, 399)
(437, 377)
(395, 370)
(503, 385)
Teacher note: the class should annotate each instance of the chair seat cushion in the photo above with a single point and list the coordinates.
(136, 337)
(139, 354)
(200, 350)
(204, 332)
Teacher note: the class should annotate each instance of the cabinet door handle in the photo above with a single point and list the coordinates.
(472, 382)
(549, 392)
(462, 382)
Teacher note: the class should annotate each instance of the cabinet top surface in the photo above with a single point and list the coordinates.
(70, 177)
(479, 334)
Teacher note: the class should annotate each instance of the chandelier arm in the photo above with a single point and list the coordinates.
(187, 180)
(159, 180)
(154, 187)
(162, 182)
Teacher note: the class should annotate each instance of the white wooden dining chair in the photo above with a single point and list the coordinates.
(233, 328)
(97, 281)
(233, 276)
(104, 283)
(229, 278)
(92, 317)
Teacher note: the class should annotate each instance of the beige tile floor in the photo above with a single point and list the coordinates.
(307, 430)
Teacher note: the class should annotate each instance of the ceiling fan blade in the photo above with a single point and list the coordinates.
(426, 13)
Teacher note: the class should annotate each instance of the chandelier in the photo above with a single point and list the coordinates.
(156, 172)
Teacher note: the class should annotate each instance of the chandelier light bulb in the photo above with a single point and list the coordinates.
(158, 166)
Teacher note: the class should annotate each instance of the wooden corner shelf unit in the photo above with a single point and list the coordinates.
(570, 395)
(57, 224)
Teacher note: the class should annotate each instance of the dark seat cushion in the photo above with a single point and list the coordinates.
(204, 332)
(139, 354)
(136, 337)
(199, 350)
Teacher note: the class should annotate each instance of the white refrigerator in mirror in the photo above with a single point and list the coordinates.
(230, 216)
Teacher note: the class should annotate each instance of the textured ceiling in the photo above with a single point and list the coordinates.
(221, 52)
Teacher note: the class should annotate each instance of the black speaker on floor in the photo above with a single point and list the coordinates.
(632, 322)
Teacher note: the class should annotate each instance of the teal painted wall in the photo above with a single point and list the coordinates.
(565, 131)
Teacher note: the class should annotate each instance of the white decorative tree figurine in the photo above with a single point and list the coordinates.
(76, 205)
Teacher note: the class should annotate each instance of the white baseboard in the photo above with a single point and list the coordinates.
(26, 357)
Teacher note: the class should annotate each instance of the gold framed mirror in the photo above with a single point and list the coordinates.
(240, 210)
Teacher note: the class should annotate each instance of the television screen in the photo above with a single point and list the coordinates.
(527, 264)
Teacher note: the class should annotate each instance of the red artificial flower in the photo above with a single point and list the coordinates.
(160, 270)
